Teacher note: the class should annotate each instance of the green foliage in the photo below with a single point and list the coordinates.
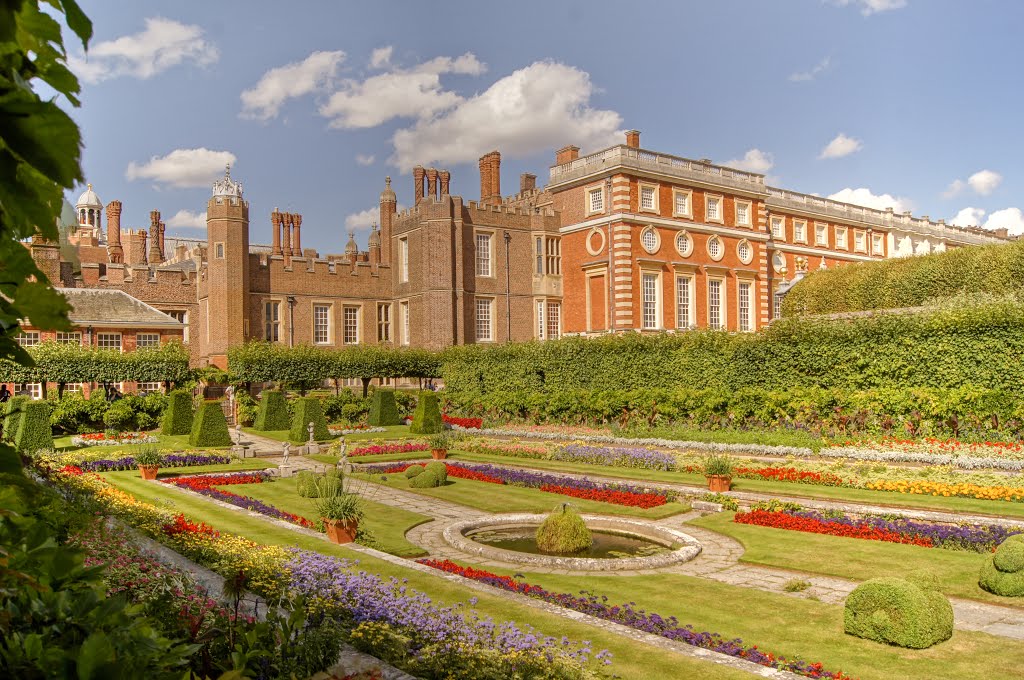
(13, 414)
(427, 418)
(305, 367)
(307, 410)
(209, 427)
(341, 506)
(719, 464)
(64, 363)
(1003, 572)
(727, 502)
(796, 585)
(120, 416)
(905, 613)
(383, 409)
(246, 408)
(564, 531)
(910, 281)
(34, 431)
(273, 413)
(412, 471)
(438, 469)
(148, 456)
(178, 416)
(426, 479)
(311, 485)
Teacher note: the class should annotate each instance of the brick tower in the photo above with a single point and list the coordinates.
(224, 302)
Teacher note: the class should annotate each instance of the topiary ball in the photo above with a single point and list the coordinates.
(564, 531)
(1003, 573)
(440, 471)
(425, 480)
(904, 613)
(412, 471)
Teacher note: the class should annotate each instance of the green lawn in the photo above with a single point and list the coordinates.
(631, 660)
(789, 489)
(280, 435)
(164, 443)
(393, 432)
(388, 524)
(854, 558)
(504, 498)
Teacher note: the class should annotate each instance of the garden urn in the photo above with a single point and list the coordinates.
(719, 483)
(341, 530)
(149, 471)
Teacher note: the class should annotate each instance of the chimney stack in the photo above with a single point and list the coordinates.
(286, 237)
(432, 183)
(163, 253)
(388, 208)
(567, 154)
(633, 139)
(417, 180)
(115, 253)
(154, 237)
(297, 247)
(527, 182)
(485, 177)
(445, 178)
(495, 176)
(275, 220)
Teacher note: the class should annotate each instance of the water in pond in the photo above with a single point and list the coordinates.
(606, 545)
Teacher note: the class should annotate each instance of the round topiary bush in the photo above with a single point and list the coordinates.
(905, 613)
(427, 418)
(412, 471)
(564, 531)
(425, 480)
(178, 416)
(273, 412)
(439, 469)
(1003, 573)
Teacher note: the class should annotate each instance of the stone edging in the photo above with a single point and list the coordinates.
(454, 534)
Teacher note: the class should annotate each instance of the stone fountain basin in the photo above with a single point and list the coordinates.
(685, 547)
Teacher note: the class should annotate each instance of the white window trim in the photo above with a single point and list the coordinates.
(689, 241)
(405, 309)
(540, 318)
(218, 250)
(864, 238)
(657, 239)
(476, 314)
(689, 203)
(659, 317)
(796, 237)
(721, 251)
(824, 230)
(120, 341)
(604, 199)
(403, 259)
(751, 302)
(639, 198)
(359, 324)
(490, 253)
(737, 202)
(722, 304)
(721, 208)
(330, 321)
(75, 340)
(750, 246)
(138, 335)
(23, 338)
(692, 301)
(781, 236)
(547, 318)
(880, 240)
(778, 269)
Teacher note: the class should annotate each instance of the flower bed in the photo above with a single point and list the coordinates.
(379, 449)
(166, 460)
(627, 615)
(640, 458)
(207, 486)
(505, 448)
(338, 430)
(964, 490)
(113, 439)
(465, 423)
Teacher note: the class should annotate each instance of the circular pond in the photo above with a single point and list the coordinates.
(619, 543)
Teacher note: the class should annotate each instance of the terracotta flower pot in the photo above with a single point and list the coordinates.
(438, 454)
(148, 471)
(341, 530)
(719, 483)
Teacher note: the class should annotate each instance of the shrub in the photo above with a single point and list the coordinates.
(273, 412)
(425, 480)
(1003, 572)
(439, 469)
(427, 419)
(72, 414)
(307, 410)
(718, 464)
(34, 431)
(904, 613)
(246, 408)
(148, 456)
(564, 531)
(209, 427)
(120, 416)
(311, 485)
(178, 415)
(383, 409)
(412, 471)
(12, 416)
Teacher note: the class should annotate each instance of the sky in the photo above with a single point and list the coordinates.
(913, 104)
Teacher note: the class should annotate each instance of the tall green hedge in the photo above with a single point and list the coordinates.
(427, 418)
(62, 363)
(307, 410)
(34, 431)
(209, 427)
(909, 282)
(383, 409)
(273, 412)
(12, 416)
(178, 416)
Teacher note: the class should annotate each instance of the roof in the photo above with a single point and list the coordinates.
(113, 308)
(89, 199)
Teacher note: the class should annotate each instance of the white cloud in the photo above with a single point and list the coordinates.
(279, 84)
(542, 106)
(188, 220)
(183, 167)
(869, 7)
(365, 159)
(400, 93)
(162, 44)
(954, 188)
(841, 146)
(1011, 219)
(364, 219)
(985, 181)
(754, 160)
(381, 57)
(805, 76)
(864, 197)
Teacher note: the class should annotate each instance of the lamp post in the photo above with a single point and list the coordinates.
(508, 290)
(291, 320)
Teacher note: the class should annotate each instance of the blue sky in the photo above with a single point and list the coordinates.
(909, 103)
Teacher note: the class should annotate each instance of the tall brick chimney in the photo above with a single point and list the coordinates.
(275, 220)
(485, 177)
(388, 208)
(567, 154)
(432, 183)
(286, 239)
(115, 253)
(154, 237)
(633, 139)
(297, 236)
(163, 253)
(527, 182)
(445, 178)
(495, 177)
(417, 181)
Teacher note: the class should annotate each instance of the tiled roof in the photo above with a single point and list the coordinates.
(108, 307)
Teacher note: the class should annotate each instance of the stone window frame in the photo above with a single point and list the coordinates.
(781, 236)
(548, 306)
(863, 247)
(684, 252)
(405, 312)
(688, 193)
(588, 201)
(737, 202)
(278, 322)
(595, 231)
(649, 229)
(148, 336)
(750, 247)
(723, 299)
(721, 208)
(721, 250)
(842, 236)
(878, 239)
(218, 250)
(489, 235)
(403, 259)
(751, 304)
(329, 304)
(659, 302)
(385, 324)
(797, 237)
(655, 191)
(490, 305)
(821, 234)
(357, 309)
(691, 301)
(590, 273)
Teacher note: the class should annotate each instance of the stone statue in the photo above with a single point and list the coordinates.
(287, 451)
(238, 434)
(309, 428)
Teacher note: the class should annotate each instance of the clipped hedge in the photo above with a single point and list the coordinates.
(904, 613)
(311, 485)
(307, 410)
(383, 408)
(427, 479)
(178, 416)
(13, 414)
(439, 470)
(1003, 572)
(62, 363)
(209, 426)
(427, 418)
(34, 431)
(273, 412)
(413, 471)
(909, 282)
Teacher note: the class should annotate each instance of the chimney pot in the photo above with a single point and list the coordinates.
(567, 154)
(633, 139)
(527, 182)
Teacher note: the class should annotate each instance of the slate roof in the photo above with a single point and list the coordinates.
(109, 307)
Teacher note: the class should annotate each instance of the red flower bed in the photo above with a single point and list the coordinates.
(453, 471)
(180, 525)
(788, 474)
(378, 449)
(636, 500)
(784, 520)
(210, 481)
(72, 470)
(468, 423)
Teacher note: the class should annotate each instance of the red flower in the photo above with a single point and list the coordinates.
(181, 525)
(784, 520)
(468, 423)
(72, 470)
(628, 498)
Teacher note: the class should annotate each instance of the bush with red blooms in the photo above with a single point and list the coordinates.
(635, 500)
(813, 525)
(467, 423)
